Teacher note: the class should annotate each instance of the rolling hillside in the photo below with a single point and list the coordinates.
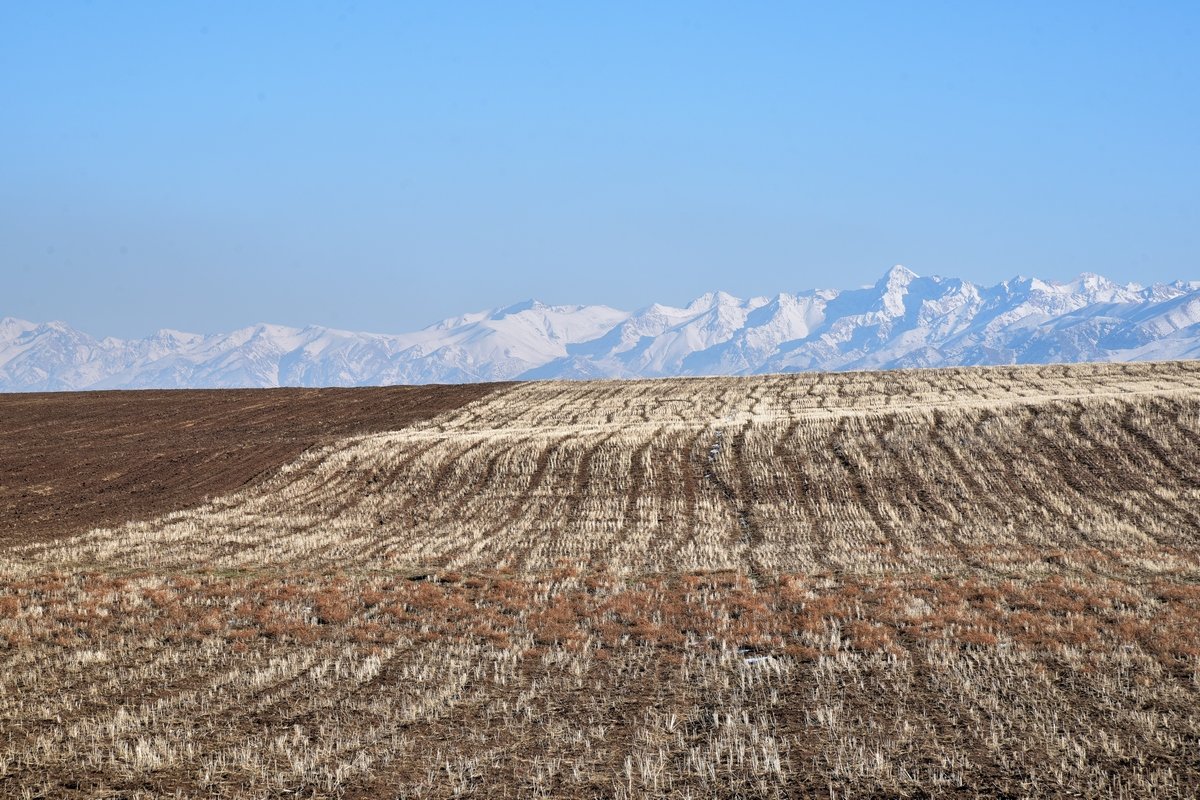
(919, 583)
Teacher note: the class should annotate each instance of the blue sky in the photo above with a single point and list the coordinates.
(379, 166)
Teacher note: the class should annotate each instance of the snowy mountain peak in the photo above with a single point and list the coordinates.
(900, 321)
(1092, 280)
(517, 308)
(710, 300)
(894, 285)
(1099, 289)
(173, 335)
(897, 276)
(11, 328)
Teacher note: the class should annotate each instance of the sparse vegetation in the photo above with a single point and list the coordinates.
(899, 584)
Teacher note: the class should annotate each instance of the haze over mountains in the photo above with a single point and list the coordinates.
(903, 320)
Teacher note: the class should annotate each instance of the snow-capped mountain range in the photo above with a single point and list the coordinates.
(901, 321)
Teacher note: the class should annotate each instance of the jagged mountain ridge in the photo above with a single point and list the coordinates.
(903, 320)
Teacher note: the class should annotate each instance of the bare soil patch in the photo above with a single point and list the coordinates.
(70, 461)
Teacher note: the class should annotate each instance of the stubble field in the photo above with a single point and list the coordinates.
(970, 582)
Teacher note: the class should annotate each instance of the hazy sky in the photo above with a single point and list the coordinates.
(379, 166)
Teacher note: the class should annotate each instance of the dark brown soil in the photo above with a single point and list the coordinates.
(70, 461)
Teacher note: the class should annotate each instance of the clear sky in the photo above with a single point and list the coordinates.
(378, 166)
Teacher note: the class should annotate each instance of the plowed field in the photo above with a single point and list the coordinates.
(74, 460)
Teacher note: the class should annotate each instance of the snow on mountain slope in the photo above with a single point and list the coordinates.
(495, 345)
(903, 320)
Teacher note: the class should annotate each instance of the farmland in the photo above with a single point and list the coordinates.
(966, 582)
